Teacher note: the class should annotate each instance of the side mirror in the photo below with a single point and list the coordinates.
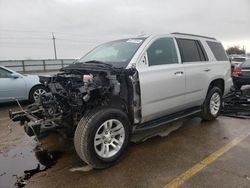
(14, 75)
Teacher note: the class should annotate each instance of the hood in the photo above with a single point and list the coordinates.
(33, 79)
(94, 67)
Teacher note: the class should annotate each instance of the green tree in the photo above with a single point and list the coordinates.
(235, 50)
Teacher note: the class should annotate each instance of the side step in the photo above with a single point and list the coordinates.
(167, 119)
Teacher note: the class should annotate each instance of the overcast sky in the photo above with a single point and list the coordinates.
(79, 25)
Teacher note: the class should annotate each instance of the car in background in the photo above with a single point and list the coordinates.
(237, 60)
(241, 74)
(17, 86)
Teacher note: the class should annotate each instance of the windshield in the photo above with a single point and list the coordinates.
(117, 53)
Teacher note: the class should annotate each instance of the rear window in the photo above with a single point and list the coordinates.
(238, 59)
(246, 63)
(218, 51)
(191, 50)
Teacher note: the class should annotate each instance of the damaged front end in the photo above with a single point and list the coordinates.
(75, 91)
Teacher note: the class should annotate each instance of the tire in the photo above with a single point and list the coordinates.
(37, 89)
(91, 140)
(211, 113)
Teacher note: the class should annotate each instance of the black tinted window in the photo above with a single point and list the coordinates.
(191, 50)
(218, 51)
(162, 51)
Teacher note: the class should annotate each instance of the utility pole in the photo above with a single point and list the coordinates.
(54, 44)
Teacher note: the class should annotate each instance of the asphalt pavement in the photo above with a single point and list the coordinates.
(192, 153)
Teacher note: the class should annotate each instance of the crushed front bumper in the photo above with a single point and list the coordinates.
(33, 126)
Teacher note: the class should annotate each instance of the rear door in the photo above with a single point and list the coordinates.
(162, 80)
(197, 68)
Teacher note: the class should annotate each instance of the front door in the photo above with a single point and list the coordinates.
(11, 87)
(162, 81)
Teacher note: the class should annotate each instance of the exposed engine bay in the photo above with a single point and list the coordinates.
(75, 91)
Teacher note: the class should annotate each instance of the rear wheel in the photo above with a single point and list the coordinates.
(212, 104)
(102, 136)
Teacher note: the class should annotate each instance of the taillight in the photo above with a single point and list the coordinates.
(237, 71)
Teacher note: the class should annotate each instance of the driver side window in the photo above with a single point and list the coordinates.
(162, 52)
(4, 73)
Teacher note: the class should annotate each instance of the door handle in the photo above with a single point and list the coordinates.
(207, 70)
(178, 73)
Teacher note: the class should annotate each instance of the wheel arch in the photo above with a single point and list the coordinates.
(218, 82)
(29, 93)
(115, 101)
(34, 87)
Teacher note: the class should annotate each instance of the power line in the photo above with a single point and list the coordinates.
(55, 32)
(24, 38)
(34, 31)
(77, 41)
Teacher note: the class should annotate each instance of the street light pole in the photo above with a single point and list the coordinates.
(54, 44)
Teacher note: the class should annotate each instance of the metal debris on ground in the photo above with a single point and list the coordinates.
(237, 103)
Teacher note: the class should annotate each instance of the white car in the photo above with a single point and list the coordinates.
(17, 86)
(130, 85)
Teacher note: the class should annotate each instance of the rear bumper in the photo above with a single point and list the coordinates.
(241, 80)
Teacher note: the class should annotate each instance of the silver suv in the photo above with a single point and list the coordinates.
(130, 85)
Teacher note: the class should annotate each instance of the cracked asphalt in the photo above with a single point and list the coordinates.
(155, 162)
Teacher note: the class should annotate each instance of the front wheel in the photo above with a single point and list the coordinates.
(102, 136)
(212, 105)
(36, 92)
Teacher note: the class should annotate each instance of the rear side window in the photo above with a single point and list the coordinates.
(218, 51)
(161, 52)
(191, 50)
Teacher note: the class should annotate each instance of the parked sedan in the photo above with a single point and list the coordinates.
(241, 74)
(17, 86)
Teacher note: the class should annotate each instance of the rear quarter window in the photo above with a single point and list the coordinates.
(218, 51)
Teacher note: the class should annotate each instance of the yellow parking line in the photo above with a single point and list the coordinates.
(202, 164)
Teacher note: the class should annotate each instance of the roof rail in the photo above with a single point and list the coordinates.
(177, 33)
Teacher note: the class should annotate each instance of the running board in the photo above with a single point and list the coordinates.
(167, 119)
